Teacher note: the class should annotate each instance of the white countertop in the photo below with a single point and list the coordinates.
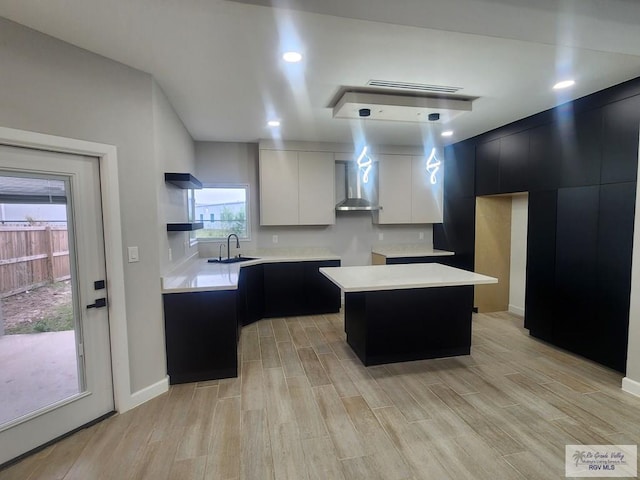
(200, 276)
(409, 250)
(396, 277)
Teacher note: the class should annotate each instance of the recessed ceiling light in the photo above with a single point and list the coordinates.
(564, 84)
(447, 133)
(292, 57)
(273, 123)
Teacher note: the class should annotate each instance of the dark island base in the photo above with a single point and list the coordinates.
(414, 324)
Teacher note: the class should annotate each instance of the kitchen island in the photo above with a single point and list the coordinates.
(395, 313)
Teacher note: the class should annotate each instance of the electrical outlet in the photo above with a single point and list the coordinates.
(274, 238)
(170, 255)
(380, 236)
(421, 235)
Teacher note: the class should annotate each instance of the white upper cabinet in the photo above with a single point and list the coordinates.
(409, 192)
(278, 187)
(316, 188)
(296, 188)
(426, 192)
(394, 188)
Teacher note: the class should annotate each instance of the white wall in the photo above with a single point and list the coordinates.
(53, 87)
(351, 237)
(631, 382)
(518, 268)
(174, 152)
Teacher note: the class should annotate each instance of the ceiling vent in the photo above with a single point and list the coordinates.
(415, 87)
(397, 107)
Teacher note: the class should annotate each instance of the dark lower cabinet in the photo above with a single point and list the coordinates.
(445, 260)
(201, 335)
(284, 290)
(251, 294)
(322, 295)
(202, 328)
(298, 288)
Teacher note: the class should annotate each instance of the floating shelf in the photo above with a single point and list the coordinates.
(184, 227)
(182, 180)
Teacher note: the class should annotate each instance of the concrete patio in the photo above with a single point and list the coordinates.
(36, 370)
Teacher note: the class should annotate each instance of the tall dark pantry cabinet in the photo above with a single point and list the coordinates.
(578, 162)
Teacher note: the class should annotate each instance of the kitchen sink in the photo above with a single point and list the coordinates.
(232, 260)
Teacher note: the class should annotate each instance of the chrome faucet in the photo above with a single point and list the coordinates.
(220, 252)
(229, 247)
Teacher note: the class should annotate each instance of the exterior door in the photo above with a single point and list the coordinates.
(55, 378)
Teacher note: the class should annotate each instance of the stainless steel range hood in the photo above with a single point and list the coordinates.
(358, 195)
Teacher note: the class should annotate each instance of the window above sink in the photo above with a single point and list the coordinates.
(223, 210)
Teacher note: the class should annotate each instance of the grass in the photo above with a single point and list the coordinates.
(60, 319)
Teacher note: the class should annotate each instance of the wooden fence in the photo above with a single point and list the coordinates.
(31, 257)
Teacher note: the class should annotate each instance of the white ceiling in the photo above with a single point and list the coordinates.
(219, 61)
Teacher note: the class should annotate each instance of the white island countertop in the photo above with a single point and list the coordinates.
(200, 276)
(409, 250)
(397, 277)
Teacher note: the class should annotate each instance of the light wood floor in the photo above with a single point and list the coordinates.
(305, 408)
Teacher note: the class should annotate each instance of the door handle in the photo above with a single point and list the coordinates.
(99, 303)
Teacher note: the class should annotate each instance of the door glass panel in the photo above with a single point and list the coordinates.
(40, 365)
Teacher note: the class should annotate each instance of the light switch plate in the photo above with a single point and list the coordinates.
(421, 236)
(274, 238)
(133, 254)
(380, 236)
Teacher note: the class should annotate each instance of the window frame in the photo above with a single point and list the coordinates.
(247, 191)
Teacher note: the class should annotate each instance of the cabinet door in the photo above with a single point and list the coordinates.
(487, 168)
(322, 295)
(579, 144)
(620, 141)
(576, 254)
(458, 232)
(201, 334)
(316, 188)
(459, 165)
(284, 290)
(543, 158)
(394, 189)
(540, 306)
(251, 294)
(426, 197)
(514, 163)
(278, 187)
(615, 251)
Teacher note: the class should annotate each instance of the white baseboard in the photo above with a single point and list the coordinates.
(516, 310)
(146, 394)
(631, 386)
